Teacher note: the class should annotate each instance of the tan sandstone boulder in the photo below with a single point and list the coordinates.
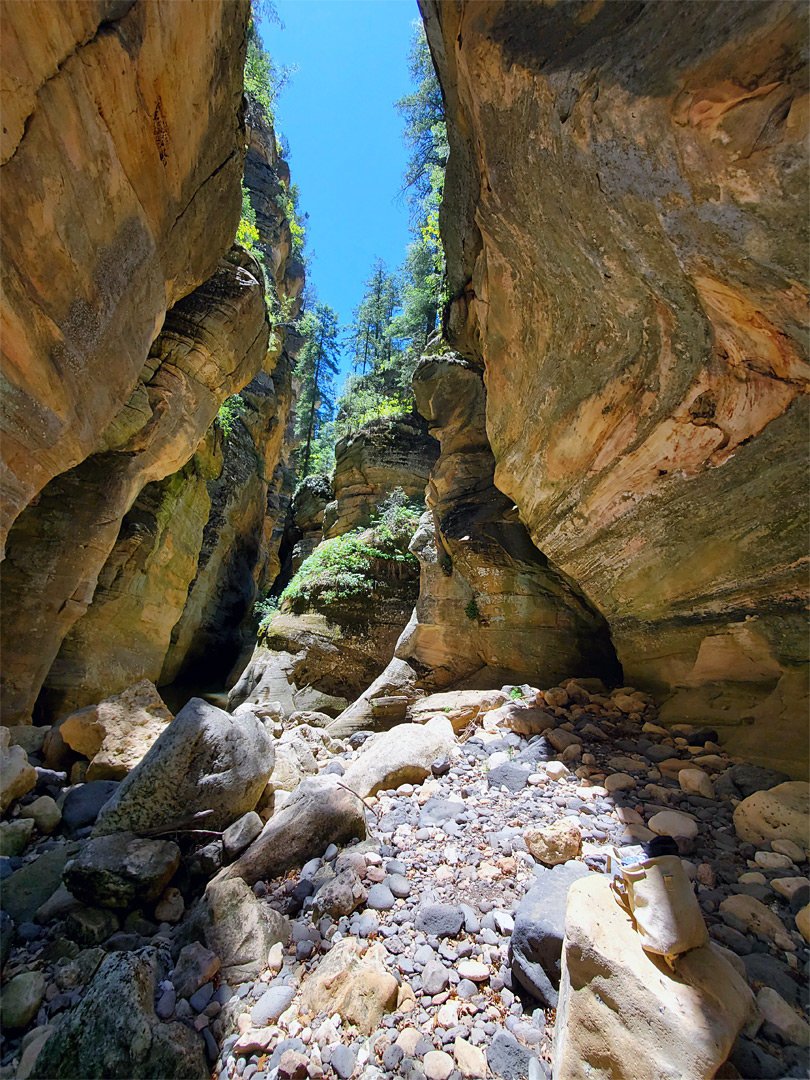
(352, 980)
(402, 755)
(623, 1013)
(117, 733)
(781, 813)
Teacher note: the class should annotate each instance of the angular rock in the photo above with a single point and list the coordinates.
(338, 897)
(205, 760)
(352, 980)
(91, 926)
(16, 776)
(402, 755)
(195, 966)
(696, 782)
(536, 942)
(319, 812)
(114, 1031)
(28, 888)
(460, 707)
(554, 844)
(508, 1059)
(470, 1060)
(239, 928)
(294, 761)
(122, 870)
(170, 907)
(241, 833)
(780, 813)
(623, 1013)
(117, 733)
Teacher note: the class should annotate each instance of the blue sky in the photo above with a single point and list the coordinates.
(345, 136)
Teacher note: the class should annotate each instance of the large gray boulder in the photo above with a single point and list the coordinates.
(239, 928)
(402, 755)
(319, 812)
(536, 942)
(205, 759)
(114, 1032)
(122, 870)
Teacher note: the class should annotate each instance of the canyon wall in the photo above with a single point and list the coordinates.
(625, 217)
(121, 196)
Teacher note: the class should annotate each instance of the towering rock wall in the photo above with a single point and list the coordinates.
(624, 215)
(123, 150)
(178, 586)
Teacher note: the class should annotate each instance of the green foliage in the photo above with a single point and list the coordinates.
(231, 410)
(263, 80)
(287, 201)
(516, 693)
(247, 235)
(264, 610)
(318, 483)
(317, 367)
(353, 565)
(446, 563)
(471, 610)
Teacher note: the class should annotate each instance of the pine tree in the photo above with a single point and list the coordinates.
(317, 366)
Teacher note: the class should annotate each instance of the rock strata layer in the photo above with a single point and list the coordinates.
(620, 216)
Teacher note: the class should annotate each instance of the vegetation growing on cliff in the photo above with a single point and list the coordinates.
(358, 563)
(399, 311)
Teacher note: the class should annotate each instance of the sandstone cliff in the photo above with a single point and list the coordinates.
(132, 184)
(624, 219)
(328, 643)
(177, 589)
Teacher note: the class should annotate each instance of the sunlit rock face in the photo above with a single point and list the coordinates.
(122, 152)
(382, 456)
(174, 597)
(491, 607)
(624, 215)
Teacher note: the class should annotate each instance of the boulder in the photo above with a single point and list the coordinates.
(16, 776)
(554, 844)
(460, 707)
(352, 980)
(28, 888)
(757, 918)
(340, 896)
(122, 870)
(623, 1013)
(294, 761)
(114, 1031)
(402, 755)
(526, 720)
(673, 823)
(83, 803)
(536, 942)
(205, 760)
(780, 813)
(742, 780)
(319, 812)
(44, 812)
(117, 733)
(14, 835)
(239, 928)
(22, 997)
(195, 966)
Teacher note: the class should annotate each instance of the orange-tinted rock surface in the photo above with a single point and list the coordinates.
(624, 215)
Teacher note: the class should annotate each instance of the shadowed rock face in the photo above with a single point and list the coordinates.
(491, 607)
(624, 216)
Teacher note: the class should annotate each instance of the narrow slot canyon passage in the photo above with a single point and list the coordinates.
(403, 590)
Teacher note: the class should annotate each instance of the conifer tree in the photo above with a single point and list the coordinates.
(317, 366)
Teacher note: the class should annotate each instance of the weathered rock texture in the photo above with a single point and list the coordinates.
(152, 548)
(121, 159)
(371, 463)
(624, 217)
(336, 647)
